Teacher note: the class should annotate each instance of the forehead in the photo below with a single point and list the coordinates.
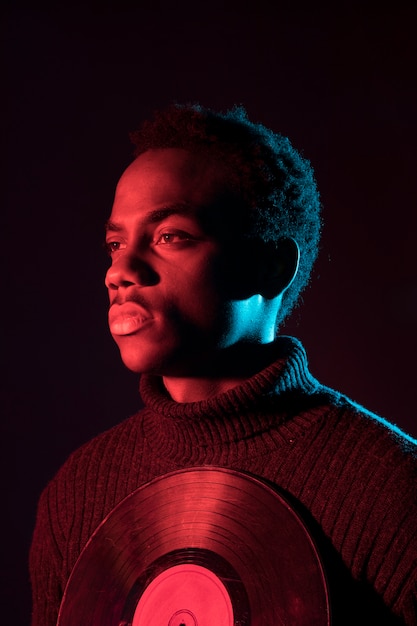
(161, 177)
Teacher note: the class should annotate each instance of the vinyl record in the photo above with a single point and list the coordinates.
(199, 547)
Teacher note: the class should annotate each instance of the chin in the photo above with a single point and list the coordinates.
(144, 361)
(139, 365)
(160, 359)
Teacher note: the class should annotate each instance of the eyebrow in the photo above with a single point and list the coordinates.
(154, 217)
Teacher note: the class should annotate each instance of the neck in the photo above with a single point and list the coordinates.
(228, 369)
(194, 389)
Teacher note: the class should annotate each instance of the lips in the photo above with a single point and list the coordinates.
(126, 319)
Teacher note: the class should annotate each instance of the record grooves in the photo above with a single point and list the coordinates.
(199, 547)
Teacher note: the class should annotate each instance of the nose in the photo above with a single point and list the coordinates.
(127, 270)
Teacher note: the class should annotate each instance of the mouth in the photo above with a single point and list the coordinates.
(126, 319)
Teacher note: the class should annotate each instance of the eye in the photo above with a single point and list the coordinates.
(171, 237)
(113, 246)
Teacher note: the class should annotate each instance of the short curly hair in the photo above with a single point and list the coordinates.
(274, 181)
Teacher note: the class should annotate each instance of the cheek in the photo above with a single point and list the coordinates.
(206, 324)
(198, 299)
(192, 301)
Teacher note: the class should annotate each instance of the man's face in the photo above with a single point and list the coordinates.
(173, 276)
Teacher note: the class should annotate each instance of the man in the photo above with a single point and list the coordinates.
(213, 233)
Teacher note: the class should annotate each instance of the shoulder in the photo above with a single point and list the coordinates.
(100, 454)
(370, 448)
(90, 482)
(348, 441)
(373, 426)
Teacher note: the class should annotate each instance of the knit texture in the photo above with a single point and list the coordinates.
(348, 473)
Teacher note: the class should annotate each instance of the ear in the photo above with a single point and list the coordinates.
(279, 267)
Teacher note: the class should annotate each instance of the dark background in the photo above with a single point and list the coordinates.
(340, 82)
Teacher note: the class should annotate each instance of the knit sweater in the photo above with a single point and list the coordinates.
(349, 473)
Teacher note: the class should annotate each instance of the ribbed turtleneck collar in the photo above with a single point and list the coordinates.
(287, 374)
(218, 430)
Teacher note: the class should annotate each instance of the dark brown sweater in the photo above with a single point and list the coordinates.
(350, 474)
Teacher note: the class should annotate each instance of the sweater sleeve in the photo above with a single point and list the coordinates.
(396, 576)
(374, 526)
(45, 564)
(385, 547)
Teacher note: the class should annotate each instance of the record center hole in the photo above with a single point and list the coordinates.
(183, 617)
